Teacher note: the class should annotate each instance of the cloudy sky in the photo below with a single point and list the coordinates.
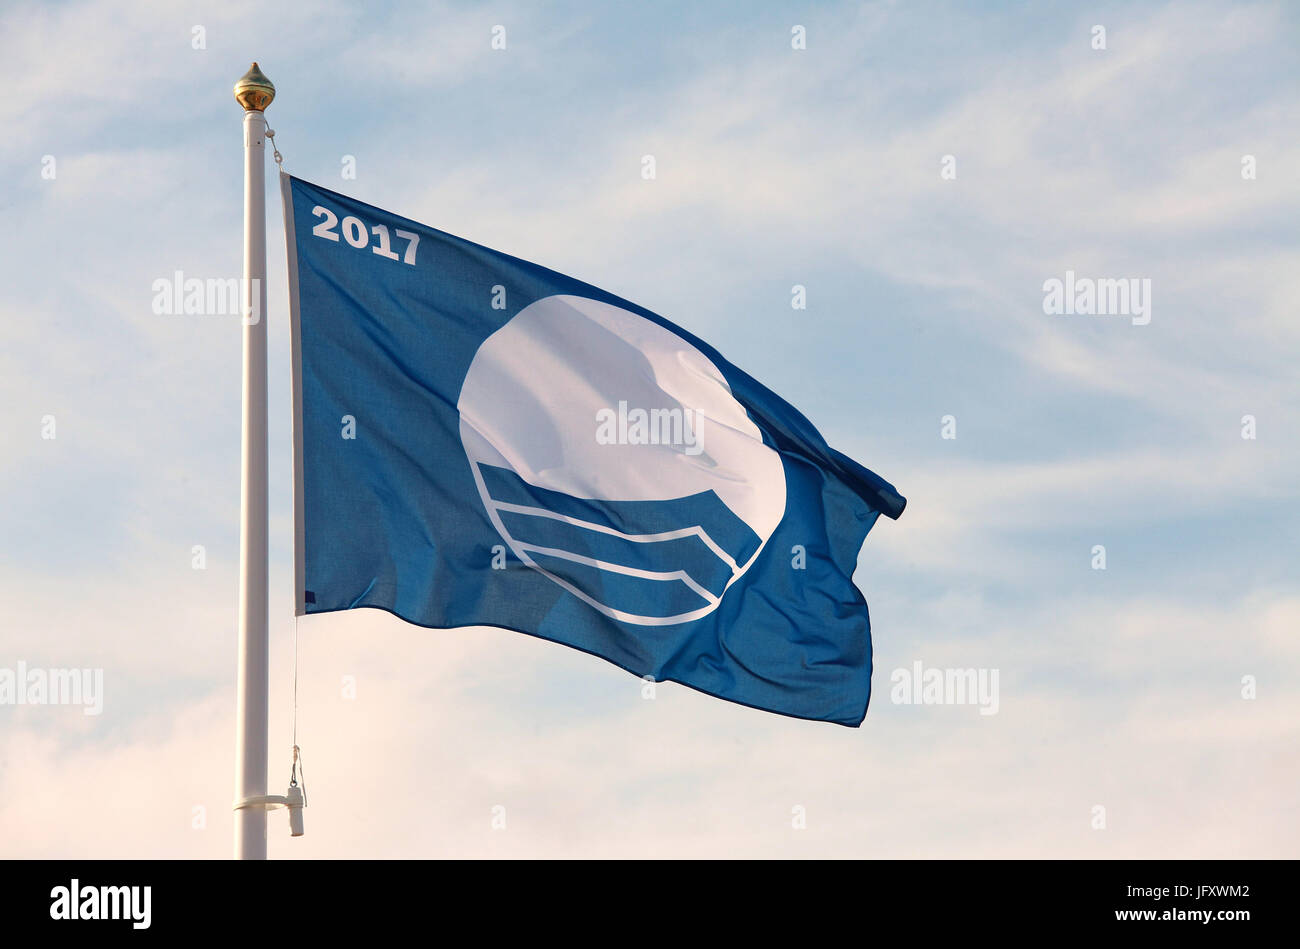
(1125, 725)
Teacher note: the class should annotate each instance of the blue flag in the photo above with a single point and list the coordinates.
(482, 441)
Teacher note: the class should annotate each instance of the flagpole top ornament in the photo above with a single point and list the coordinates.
(254, 91)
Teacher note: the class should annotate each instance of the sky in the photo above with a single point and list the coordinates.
(923, 171)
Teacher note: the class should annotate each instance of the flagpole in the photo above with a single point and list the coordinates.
(254, 92)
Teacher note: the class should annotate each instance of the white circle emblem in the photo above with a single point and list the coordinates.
(611, 457)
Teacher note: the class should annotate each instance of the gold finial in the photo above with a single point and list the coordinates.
(254, 91)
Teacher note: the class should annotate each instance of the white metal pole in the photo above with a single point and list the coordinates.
(254, 92)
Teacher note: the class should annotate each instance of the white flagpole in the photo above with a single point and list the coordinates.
(254, 92)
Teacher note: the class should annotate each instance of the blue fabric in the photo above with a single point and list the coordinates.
(393, 518)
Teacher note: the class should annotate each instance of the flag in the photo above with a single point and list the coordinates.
(481, 441)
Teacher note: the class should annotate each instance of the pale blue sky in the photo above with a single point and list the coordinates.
(775, 167)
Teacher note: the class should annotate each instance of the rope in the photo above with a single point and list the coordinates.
(295, 679)
(275, 152)
(296, 772)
